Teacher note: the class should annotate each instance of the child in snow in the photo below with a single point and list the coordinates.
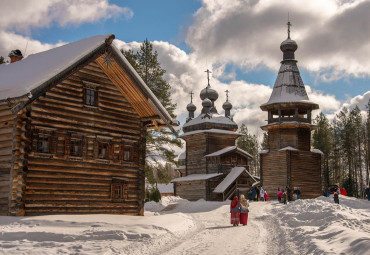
(279, 194)
(285, 197)
(235, 210)
(262, 194)
(244, 210)
(266, 196)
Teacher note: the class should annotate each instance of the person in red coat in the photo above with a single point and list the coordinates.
(235, 210)
(244, 210)
(343, 192)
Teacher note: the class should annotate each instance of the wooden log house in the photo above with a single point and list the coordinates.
(211, 154)
(289, 161)
(72, 131)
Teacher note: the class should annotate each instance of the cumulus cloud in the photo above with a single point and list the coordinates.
(185, 74)
(333, 36)
(21, 15)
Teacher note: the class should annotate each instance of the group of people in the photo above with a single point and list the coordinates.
(285, 195)
(258, 193)
(239, 211)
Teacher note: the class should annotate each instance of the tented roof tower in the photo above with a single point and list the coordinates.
(289, 160)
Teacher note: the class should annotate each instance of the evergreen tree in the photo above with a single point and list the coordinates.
(2, 60)
(146, 64)
(159, 144)
(367, 144)
(250, 144)
(323, 140)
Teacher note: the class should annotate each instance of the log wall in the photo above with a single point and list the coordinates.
(7, 125)
(191, 191)
(58, 182)
(274, 171)
(296, 137)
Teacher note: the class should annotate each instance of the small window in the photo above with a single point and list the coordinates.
(103, 151)
(75, 147)
(43, 143)
(119, 191)
(91, 96)
(127, 153)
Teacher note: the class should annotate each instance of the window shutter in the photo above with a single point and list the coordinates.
(53, 144)
(96, 97)
(110, 149)
(67, 146)
(35, 138)
(83, 147)
(96, 149)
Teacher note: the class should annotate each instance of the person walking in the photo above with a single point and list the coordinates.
(367, 191)
(279, 194)
(336, 197)
(262, 194)
(235, 210)
(244, 210)
(285, 197)
(266, 196)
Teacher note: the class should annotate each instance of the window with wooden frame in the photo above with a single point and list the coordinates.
(103, 150)
(119, 190)
(76, 147)
(127, 153)
(43, 143)
(90, 96)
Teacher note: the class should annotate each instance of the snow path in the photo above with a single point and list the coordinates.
(177, 226)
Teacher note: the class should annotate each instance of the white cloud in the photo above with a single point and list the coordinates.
(22, 15)
(333, 36)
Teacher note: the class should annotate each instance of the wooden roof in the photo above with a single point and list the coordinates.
(38, 72)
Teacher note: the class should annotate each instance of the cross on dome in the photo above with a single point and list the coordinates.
(208, 72)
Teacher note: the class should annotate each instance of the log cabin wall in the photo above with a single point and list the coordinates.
(196, 148)
(85, 158)
(274, 171)
(191, 191)
(7, 126)
(282, 137)
(306, 173)
(304, 139)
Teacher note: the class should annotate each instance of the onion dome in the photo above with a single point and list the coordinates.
(191, 107)
(288, 45)
(210, 93)
(207, 103)
(227, 106)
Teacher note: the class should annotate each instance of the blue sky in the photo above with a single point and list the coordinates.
(237, 39)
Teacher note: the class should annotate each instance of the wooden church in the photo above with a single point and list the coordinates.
(73, 121)
(289, 161)
(213, 167)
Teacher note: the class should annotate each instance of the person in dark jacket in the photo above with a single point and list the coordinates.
(336, 197)
(367, 191)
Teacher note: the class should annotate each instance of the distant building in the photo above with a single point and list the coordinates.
(289, 161)
(215, 168)
(73, 122)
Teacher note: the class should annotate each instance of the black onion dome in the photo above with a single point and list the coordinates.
(227, 105)
(288, 45)
(207, 102)
(191, 107)
(210, 93)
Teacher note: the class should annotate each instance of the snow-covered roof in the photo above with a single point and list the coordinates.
(289, 148)
(180, 167)
(263, 151)
(195, 177)
(215, 118)
(213, 130)
(228, 149)
(182, 156)
(317, 151)
(229, 179)
(30, 75)
(21, 77)
(165, 188)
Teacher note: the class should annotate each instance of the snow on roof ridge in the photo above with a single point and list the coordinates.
(40, 67)
(229, 179)
(213, 130)
(288, 148)
(196, 177)
(226, 150)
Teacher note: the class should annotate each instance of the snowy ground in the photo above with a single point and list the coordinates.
(176, 226)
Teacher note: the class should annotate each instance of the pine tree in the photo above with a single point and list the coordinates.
(250, 144)
(159, 144)
(2, 60)
(367, 144)
(323, 140)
